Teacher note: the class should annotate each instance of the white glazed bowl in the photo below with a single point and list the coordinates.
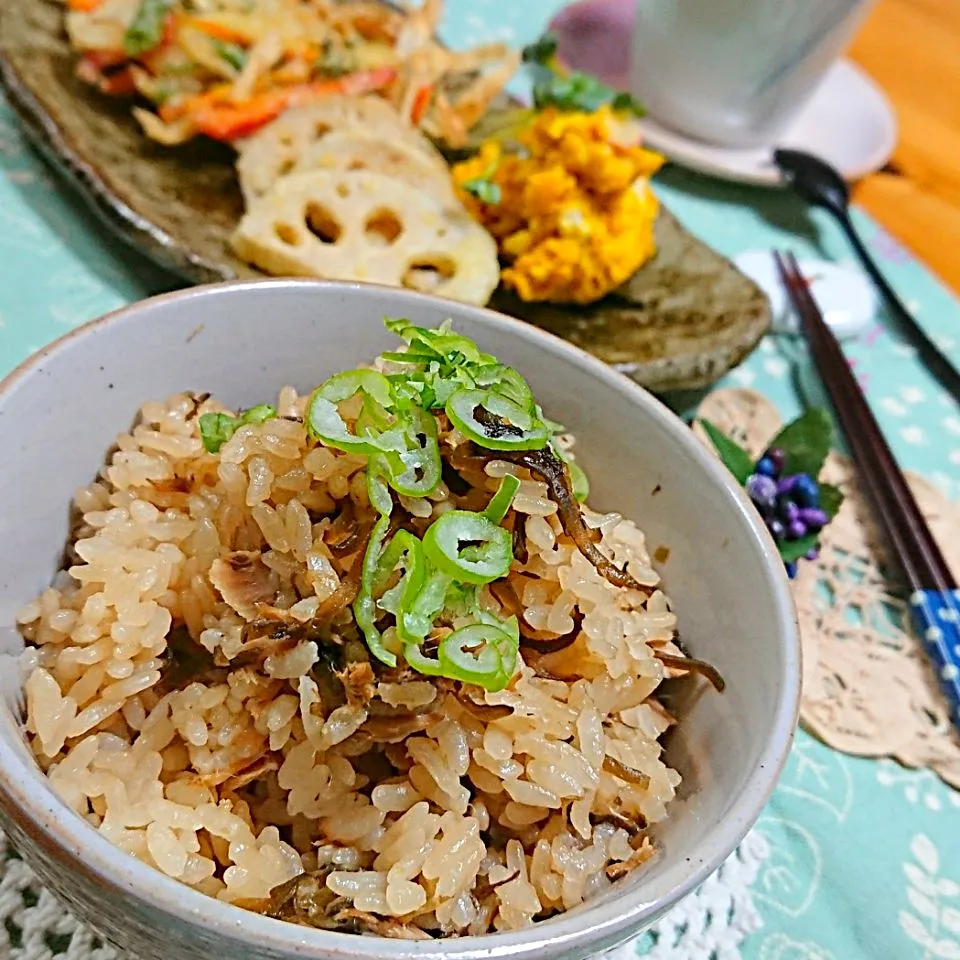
(59, 414)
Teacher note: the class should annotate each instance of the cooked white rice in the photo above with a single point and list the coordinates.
(457, 810)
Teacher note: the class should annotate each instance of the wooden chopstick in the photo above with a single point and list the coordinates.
(934, 602)
(897, 511)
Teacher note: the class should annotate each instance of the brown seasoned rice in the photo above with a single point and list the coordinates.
(458, 810)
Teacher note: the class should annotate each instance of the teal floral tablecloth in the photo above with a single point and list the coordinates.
(853, 859)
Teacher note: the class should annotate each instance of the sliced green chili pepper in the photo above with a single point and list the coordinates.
(415, 469)
(406, 552)
(378, 492)
(500, 504)
(417, 659)
(217, 428)
(365, 606)
(325, 423)
(417, 621)
(468, 547)
(418, 618)
(146, 29)
(511, 427)
(481, 653)
(373, 419)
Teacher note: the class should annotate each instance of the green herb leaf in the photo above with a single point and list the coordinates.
(581, 92)
(570, 91)
(146, 30)
(541, 51)
(486, 191)
(216, 429)
(261, 413)
(231, 53)
(805, 442)
(793, 550)
(733, 456)
(483, 187)
(830, 499)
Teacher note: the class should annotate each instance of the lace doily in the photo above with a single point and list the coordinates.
(867, 687)
(710, 924)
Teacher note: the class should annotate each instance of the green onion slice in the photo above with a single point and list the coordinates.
(579, 483)
(419, 616)
(415, 469)
(468, 547)
(440, 343)
(378, 491)
(325, 423)
(481, 653)
(508, 426)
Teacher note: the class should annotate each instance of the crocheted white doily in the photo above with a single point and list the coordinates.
(709, 925)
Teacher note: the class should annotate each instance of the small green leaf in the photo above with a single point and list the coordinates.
(830, 499)
(793, 550)
(231, 53)
(541, 51)
(733, 456)
(146, 30)
(261, 413)
(553, 86)
(216, 429)
(805, 442)
(483, 186)
(580, 92)
(486, 191)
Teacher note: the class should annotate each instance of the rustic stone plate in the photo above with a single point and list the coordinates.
(681, 322)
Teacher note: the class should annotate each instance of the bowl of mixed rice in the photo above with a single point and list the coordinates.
(338, 618)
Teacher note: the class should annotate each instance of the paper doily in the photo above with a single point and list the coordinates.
(867, 687)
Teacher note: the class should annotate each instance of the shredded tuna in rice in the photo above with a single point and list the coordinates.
(201, 692)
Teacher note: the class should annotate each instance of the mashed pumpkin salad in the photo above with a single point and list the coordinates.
(564, 187)
(360, 659)
(571, 210)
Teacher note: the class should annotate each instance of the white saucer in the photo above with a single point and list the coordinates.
(845, 296)
(848, 122)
